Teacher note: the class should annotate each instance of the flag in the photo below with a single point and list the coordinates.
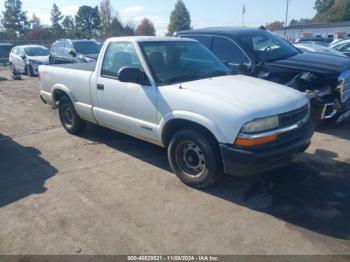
(243, 10)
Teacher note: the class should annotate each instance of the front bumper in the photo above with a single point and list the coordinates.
(240, 161)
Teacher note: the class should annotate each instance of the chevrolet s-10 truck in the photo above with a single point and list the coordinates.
(175, 93)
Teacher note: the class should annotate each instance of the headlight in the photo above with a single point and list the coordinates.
(262, 124)
(34, 62)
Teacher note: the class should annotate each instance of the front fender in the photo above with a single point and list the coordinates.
(196, 118)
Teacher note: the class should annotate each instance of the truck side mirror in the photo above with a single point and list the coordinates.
(132, 75)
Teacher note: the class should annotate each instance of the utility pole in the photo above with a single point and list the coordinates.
(286, 22)
(243, 14)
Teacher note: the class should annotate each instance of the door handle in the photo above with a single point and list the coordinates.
(100, 87)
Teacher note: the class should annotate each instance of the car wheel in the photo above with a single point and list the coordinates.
(12, 69)
(195, 159)
(29, 70)
(69, 117)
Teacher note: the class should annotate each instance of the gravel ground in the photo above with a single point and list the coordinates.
(107, 193)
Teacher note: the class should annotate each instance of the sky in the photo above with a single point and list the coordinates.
(204, 13)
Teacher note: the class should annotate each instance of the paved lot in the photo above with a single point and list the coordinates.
(107, 193)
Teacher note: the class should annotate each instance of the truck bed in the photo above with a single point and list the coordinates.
(90, 67)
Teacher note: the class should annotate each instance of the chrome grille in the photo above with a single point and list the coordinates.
(294, 117)
(344, 87)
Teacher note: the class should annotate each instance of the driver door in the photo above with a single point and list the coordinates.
(126, 107)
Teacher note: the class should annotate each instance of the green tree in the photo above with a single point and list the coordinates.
(106, 11)
(145, 28)
(69, 26)
(277, 25)
(293, 22)
(332, 11)
(128, 31)
(56, 18)
(323, 5)
(14, 20)
(34, 22)
(88, 21)
(116, 27)
(180, 18)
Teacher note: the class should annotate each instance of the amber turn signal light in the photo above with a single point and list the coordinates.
(255, 142)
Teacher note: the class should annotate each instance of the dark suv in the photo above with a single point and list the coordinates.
(74, 51)
(260, 53)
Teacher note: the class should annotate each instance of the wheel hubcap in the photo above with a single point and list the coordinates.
(191, 159)
(68, 117)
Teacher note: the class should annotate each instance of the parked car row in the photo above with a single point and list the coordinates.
(25, 59)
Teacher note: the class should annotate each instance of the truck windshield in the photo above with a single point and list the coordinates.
(266, 46)
(87, 47)
(36, 51)
(177, 61)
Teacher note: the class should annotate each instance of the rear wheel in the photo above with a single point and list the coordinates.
(69, 118)
(195, 159)
(12, 69)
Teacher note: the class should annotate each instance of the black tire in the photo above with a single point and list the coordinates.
(12, 69)
(69, 117)
(195, 159)
(29, 71)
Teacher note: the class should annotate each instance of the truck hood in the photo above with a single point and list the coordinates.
(315, 62)
(251, 95)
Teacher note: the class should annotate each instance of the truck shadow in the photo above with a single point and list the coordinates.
(313, 192)
(22, 171)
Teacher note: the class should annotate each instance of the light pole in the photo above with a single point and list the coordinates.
(286, 22)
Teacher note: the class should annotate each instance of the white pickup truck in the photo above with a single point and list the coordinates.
(175, 93)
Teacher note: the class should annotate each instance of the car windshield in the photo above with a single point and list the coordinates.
(174, 62)
(267, 47)
(87, 47)
(36, 51)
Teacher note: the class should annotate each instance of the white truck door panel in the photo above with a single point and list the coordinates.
(122, 106)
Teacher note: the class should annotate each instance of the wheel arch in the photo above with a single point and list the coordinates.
(184, 120)
(58, 91)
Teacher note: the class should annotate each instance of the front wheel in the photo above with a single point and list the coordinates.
(195, 159)
(69, 117)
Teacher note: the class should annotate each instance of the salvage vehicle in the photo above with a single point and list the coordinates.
(68, 51)
(342, 46)
(315, 48)
(27, 58)
(262, 54)
(175, 93)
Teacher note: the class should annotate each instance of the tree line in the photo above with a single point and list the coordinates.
(90, 22)
(327, 11)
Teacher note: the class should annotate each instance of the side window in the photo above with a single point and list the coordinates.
(60, 47)
(119, 55)
(345, 48)
(68, 47)
(227, 51)
(204, 40)
(20, 52)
